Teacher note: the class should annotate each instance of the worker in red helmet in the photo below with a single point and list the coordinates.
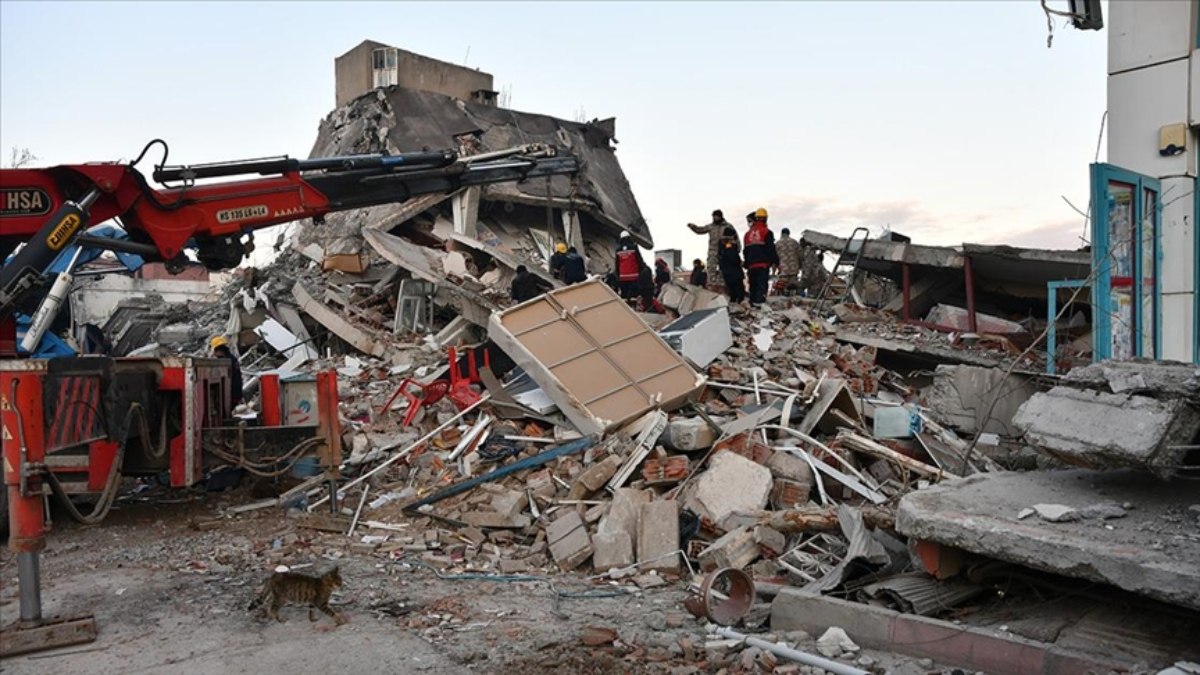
(758, 250)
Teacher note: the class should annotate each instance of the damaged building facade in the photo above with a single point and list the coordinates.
(1145, 202)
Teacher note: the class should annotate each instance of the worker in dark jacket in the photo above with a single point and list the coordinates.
(524, 285)
(220, 349)
(760, 256)
(699, 274)
(662, 275)
(574, 270)
(647, 292)
(729, 259)
(558, 260)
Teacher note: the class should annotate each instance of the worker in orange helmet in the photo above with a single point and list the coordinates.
(558, 261)
(758, 251)
(219, 346)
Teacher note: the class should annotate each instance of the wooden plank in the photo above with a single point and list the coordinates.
(50, 634)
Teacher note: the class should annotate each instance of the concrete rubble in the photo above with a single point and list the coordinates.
(840, 454)
(819, 449)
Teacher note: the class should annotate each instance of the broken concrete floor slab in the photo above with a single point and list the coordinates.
(1101, 430)
(972, 399)
(1152, 551)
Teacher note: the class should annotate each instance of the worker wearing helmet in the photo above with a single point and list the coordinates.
(220, 349)
(558, 261)
(760, 256)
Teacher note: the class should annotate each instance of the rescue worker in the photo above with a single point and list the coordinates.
(789, 262)
(760, 256)
(573, 269)
(629, 266)
(729, 262)
(662, 275)
(524, 285)
(220, 349)
(558, 260)
(647, 291)
(699, 274)
(713, 230)
(813, 274)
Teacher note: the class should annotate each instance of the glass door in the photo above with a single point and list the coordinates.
(1125, 261)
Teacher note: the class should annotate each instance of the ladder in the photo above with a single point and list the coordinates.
(845, 270)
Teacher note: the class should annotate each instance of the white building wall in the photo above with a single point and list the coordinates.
(93, 299)
(1152, 83)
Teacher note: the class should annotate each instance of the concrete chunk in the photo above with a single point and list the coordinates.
(594, 477)
(612, 549)
(658, 536)
(569, 542)
(732, 483)
(736, 549)
(688, 434)
(623, 513)
(1100, 430)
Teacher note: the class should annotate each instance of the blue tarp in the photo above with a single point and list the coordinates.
(51, 345)
(131, 262)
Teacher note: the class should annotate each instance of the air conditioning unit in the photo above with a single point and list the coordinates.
(1087, 14)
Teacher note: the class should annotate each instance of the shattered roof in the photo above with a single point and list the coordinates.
(413, 120)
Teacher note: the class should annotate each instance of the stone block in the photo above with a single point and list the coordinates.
(736, 549)
(688, 435)
(594, 477)
(771, 541)
(623, 512)
(786, 465)
(658, 536)
(612, 549)
(732, 483)
(569, 542)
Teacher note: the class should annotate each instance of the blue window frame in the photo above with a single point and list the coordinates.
(1126, 255)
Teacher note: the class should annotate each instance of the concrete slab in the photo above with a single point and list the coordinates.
(988, 650)
(962, 397)
(658, 536)
(1153, 551)
(1100, 430)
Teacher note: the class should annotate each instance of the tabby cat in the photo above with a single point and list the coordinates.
(300, 588)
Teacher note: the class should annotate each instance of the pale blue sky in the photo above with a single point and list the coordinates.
(951, 121)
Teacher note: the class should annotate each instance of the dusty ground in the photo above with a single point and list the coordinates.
(170, 598)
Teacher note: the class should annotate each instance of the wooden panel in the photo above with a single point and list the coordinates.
(593, 356)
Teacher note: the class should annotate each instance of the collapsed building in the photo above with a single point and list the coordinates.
(908, 469)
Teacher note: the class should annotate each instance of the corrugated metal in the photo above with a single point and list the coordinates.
(918, 593)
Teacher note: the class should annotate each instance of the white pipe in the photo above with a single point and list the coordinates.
(788, 653)
(50, 305)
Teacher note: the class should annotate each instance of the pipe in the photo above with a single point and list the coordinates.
(30, 581)
(788, 653)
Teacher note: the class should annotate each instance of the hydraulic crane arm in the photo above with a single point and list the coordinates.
(48, 208)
